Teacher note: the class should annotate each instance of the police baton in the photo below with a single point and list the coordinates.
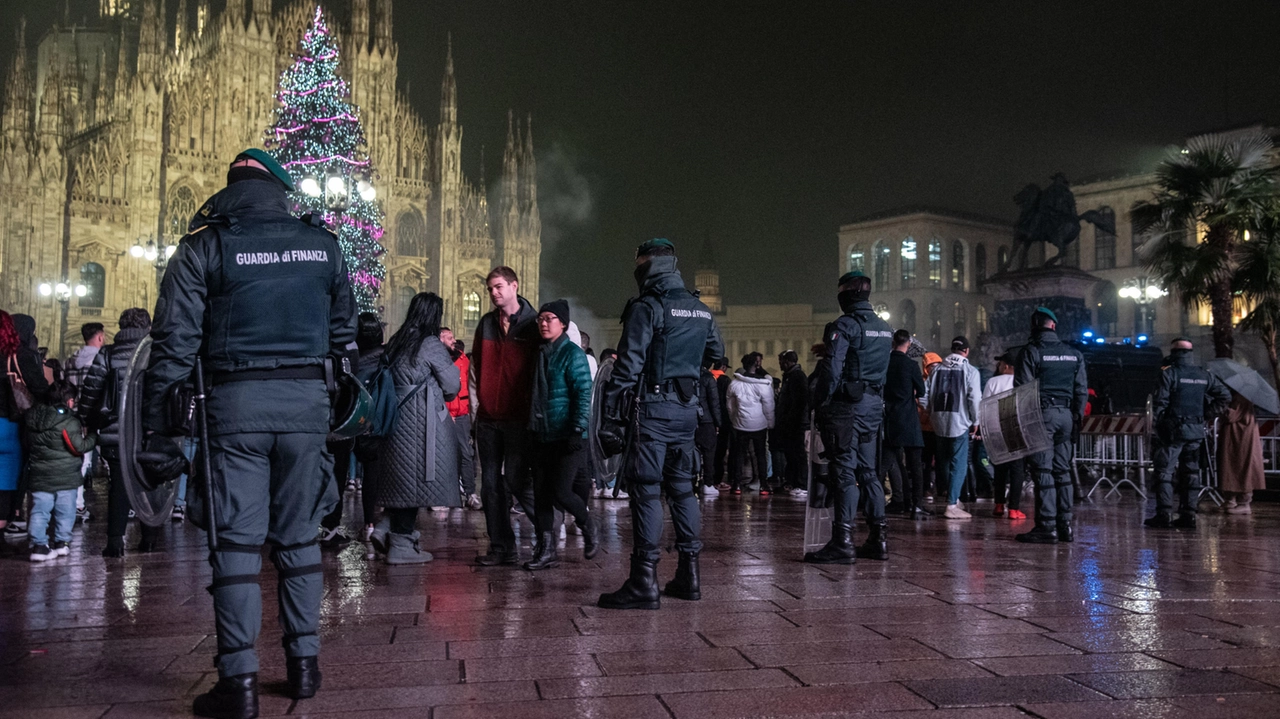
(202, 420)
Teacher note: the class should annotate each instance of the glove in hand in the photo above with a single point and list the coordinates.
(612, 438)
(161, 460)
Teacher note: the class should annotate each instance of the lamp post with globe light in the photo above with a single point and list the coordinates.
(1143, 291)
(62, 292)
(337, 190)
(155, 252)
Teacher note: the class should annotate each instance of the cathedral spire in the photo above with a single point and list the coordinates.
(262, 14)
(360, 25)
(202, 17)
(382, 25)
(528, 169)
(180, 28)
(235, 12)
(17, 90)
(449, 89)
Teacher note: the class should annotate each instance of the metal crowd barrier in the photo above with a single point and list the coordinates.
(1269, 431)
(1119, 447)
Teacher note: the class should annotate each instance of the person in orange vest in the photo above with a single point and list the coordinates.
(460, 409)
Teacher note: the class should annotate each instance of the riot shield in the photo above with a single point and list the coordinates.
(603, 469)
(1012, 427)
(818, 511)
(153, 507)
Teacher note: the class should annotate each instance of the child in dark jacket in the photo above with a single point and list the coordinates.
(57, 448)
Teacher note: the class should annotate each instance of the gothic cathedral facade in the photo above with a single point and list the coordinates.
(114, 134)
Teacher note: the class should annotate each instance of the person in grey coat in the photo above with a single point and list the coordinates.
(417, 466)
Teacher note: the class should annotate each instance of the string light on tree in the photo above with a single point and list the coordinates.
(318, 138)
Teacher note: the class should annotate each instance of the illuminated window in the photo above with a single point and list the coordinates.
(935, 263)
(980, 320)
(957, 265)
(1002, 259)
(857, 260)
(94, 278)
(908, 259)
(880, 255)
(471, 307)
(182, 207)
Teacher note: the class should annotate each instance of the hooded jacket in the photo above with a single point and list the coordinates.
(29, 366)
(751, 403)
(793, 402)
(78, 365)
(57, 448)
(503, 364)
(106, 376)
(952, 393)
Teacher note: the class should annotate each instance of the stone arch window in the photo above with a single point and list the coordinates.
(411, 235)
(857, 260)
(908, 260)
(907, 316)
(979, 263)
(1104, 243)
(880, 256)
(935, 323)
(94, 278)
(960, 319)
(980, 321)
(471, 307)
(935, 263)
(957, 265)
(182, 207)
(1002, 259)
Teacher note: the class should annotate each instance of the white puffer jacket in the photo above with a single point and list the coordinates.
(750, 403)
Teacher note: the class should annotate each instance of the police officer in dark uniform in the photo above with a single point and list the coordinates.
(851, 404)
(262, 297)
(652, 396)
(1187, 392)
(1064, 390)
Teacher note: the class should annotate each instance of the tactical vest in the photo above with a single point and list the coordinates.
(870, 344)
(1186, 400)
(1058, 363)
(681, 324)
(270, 296)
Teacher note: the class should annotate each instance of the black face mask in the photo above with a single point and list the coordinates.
(1179, 355)
(641, 273)
(849, 298)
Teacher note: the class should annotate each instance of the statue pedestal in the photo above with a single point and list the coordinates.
(1017, 294)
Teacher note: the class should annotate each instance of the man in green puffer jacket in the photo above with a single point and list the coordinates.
(57, 449)
(558, 418)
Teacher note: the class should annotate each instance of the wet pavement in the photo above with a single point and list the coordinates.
(962, 622)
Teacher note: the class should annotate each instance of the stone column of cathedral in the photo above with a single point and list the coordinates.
(449, 184)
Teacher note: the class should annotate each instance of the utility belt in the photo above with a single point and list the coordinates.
(1055, 402)
(275, 373)
(855, 391)
(685, 389)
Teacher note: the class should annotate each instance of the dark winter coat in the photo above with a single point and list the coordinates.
(57, 448)
(709, 395)
(793, 403)
(561, 406)
(503, 365)
(107, 376)
(29, 366)
(903, 385)
(722, 388)
(417, 465)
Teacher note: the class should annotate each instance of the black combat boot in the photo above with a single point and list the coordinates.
(304, 676)
(1040, 534)
(231, 698)
(114, 548)
(544, 553)
(877, 545)
(1064, 531)
(1160, 521)
(838, 551)
(590, 539)
(1185, 520)
(686, 584)
(640, 591)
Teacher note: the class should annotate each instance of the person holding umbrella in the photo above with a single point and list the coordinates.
(1240, 460)
(1187, 394)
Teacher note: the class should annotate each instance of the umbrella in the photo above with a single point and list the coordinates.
(1247, 383)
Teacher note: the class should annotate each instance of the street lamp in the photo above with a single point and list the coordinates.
(156, 252)
(1143, 291)
(62, 292)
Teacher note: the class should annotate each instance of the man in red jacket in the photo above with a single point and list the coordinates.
(503, 357)
(460, 410)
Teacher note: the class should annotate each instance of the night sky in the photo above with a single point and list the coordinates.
(768, 125)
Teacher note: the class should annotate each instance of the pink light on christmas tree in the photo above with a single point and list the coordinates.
(318, 137)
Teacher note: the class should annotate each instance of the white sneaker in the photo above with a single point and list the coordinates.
(1240, 509)
(473, 502)
(623, 496)
(800, 493)
(710, 491)
(955, 512)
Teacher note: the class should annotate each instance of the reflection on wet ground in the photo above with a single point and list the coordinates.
(962, 622)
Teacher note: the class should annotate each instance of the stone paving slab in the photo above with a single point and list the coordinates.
(961, 623)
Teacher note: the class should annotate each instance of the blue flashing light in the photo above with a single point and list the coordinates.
(1088, 334)
(1100, 340)
(1142, 338)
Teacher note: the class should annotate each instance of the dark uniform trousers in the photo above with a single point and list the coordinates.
(1183, 458)
(664, 452)
(850, 434)
(1051, 469)
(504, 473)
(271, 488)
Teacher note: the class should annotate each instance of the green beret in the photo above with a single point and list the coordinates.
(849, 277)
(269, 162)
(1047, 313)
(654, 244)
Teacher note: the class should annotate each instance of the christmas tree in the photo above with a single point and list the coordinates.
(318, 138)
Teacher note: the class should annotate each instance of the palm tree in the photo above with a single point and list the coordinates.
(1223, 184)
(1257, 279)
